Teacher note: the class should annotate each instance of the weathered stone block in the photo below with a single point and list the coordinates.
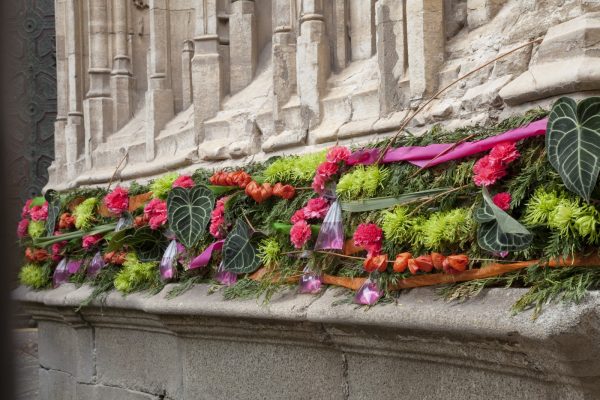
(56, 385)
(99, 392)
(480, 12)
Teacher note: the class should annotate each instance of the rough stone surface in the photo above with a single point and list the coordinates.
(200, 346)
(190, 83)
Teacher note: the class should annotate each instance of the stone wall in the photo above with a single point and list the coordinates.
(177, 84)
(198, 346)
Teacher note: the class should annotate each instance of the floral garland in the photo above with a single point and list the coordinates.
(247, 225)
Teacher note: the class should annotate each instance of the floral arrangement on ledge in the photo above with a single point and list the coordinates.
(504, 205)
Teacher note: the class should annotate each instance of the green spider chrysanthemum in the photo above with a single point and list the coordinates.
(34, 276)
(84, 213)
(161, 186)
(397, 225)
(135, 274)
(294, 170)
(540, 206)
(362, 182)
(269, 251)
(449, 228)
(36, 229)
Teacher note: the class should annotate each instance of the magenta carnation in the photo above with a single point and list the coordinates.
(300, 234)
(22, 228)
(327, 169)
(369, 237)
(39, 213)
(298, 216)
(487, 171)
(117, 201)
(156, 213)
(26, 208)
(502, 200)
(57, 249)
(90, 241)
(505, 153)
(217, 219)
(316, 208)
(318, 184)
(184, 181)
(337, 154)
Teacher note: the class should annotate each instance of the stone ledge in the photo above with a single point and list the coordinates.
(345, 352)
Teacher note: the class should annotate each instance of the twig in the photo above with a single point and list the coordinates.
(117, 169)
(439, 92)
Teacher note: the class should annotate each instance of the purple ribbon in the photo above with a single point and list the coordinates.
(202, 260)
(424, 155)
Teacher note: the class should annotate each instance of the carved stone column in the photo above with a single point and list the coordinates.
(284, 59)
(342, 45)
(74, 133)
(313, 62)
(97, 107)
(121, 80)
(426, 42)
(391, 54)
(186, 73)
(207, 70)
(160, 107)
(62, 88)
(243, 45)
(362, 28)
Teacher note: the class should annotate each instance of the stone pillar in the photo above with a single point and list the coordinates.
(62, 89)
(391, 53)
(74, 133)
(243, 44)
(362, 28)
(121, 80)
(313, 62)
(186, 73)
(206, 66)
(342, 46)
(426, 42)
(160, 107)
(284, 59)
(97, 107)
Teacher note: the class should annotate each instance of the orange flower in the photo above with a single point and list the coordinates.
(140, 221)
(401, 262)
(66, 221)
(284, 191)
(437, 259)
(376, 263)
(421, 263)
(455, 264)
(258, 192)
(37, 255)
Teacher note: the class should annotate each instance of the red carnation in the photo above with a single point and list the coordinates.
(90, 241)
(117, 201)
(298, 216)
(26, 208)
(318, 184)
(22, 228)
(487, 171)
(217, 219)
(502, 200)
(505, 153)
(369, 237)
(337, 154)
(184, 181)
(300, 234)
(327, 169)
(39, 213)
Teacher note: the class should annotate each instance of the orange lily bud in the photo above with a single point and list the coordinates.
(455, 264)
(437, 259)
(424, 263)
(376, 263)
(401, 262)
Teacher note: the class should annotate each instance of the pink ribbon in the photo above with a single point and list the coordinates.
(424, 155)
(203, 259)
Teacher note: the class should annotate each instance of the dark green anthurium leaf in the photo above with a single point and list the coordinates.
(189, 213)
(498, 231)
(573, 143)
(149, 244)
(239, 254)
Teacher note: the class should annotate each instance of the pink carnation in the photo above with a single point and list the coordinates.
(156, 212)
(327, 169)
(90, 241)
(487, 171)
(57, 249)
(318, 184)
(369, 237)
(26, 207)
(505, 153)
(117, 201)
(217, 219)
(300, 234)
(316, 208)
(298, 216)
(502, 200)
(184, 181)
(337, 154)
(22, 228)
(39, 213)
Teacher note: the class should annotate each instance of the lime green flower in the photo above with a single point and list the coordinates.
(161, 186)
(540, 206)
(362, 182)
(36, 229)
(84, 213)
(269, 251)
(397, 225)
(135, 274)
(294, 170)
(34, 276)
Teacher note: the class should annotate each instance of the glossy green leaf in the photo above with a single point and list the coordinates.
(381, 203)
(239, 254)
(573, 143)
(498, 231)
(189, 213)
